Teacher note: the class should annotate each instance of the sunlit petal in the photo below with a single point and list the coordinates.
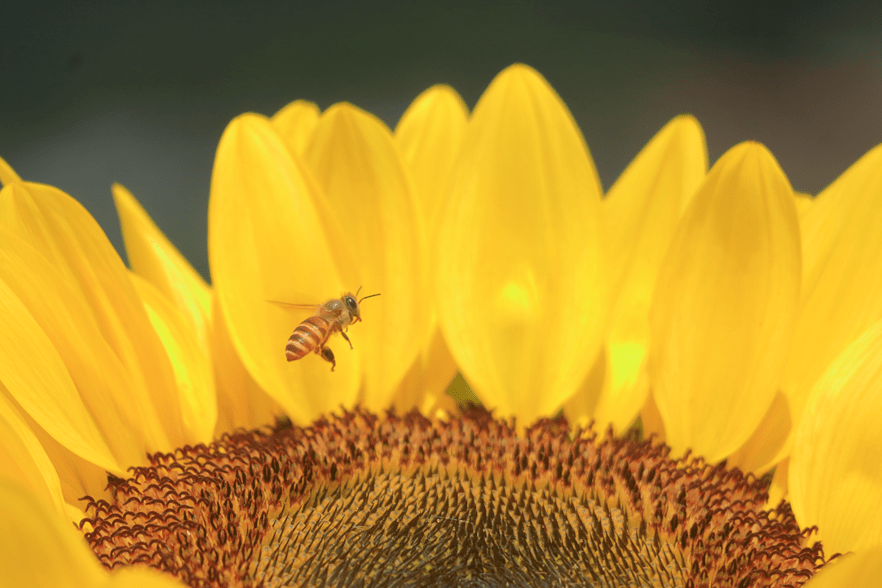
(266, 242)
(641, 212)
(24, 460)
(835, 470)
(295, 124)
(7, 174)
(38, 549)
(370, 197)
(132, 577)
(855, 569)
(429, 138)
(189, 359)
(757, 454)
(153, 257)
(651, 420)
(842, 277)
(724, 305)
(779, 488)
(101, 381)
(521, 294)
(803, 202)
(241, 403)
(73, 243)
(35, 376)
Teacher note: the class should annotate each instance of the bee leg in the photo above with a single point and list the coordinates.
(328, 355)
(347, 340)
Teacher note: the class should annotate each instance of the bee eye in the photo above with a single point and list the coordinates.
(350, 301)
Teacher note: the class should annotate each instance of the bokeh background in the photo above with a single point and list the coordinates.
(98, 92)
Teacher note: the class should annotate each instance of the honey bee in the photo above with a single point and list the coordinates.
(312, 334)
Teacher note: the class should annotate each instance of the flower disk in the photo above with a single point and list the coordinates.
(362, 500)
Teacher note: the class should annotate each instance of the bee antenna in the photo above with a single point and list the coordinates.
(366, 297)
(357, 291)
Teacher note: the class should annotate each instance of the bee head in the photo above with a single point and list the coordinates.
(352, 304)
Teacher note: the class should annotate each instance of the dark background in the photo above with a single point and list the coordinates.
(92, 93)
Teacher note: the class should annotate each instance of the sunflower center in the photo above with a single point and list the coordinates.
(360, 500)
(439, 530)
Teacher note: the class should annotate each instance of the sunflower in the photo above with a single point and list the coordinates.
(737, 319)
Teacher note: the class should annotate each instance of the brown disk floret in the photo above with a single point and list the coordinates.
(362, 500)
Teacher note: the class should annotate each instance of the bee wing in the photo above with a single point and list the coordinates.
(291, 306)
(313, 308)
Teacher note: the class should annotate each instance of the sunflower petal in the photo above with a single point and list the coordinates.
(641, 212)
(295, 124)
(153, 257)
(189, 359)
(23, 459)
(370, 198)
(7, 174)
(803, 202)
(778, 489)
(241, 403)
(429, 137)
(102, 382)
(842, 277)
(855, 569)
(73, 243)
(520, 290)
(35, 376)
(131, 577)
(266, 242)
(723, 310)
(757, 455)
(835, 476)
(39, 549)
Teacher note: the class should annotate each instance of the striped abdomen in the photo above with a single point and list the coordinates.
(309, 336)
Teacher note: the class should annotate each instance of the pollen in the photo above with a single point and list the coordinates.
(366, 500)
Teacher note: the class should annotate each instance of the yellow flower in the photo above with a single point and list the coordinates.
(721, 307)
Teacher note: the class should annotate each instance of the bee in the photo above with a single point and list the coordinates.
(312, 334)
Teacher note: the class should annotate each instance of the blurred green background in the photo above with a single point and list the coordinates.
(98, 92)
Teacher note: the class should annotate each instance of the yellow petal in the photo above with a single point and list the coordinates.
(78, 477)
(295, 123)
(101, 381)
(370, 198)
(651, 421)
(520, 290)
(241, 403)
(35, 376)
(38, 549)
(141, 578)
(266, 242)
(724, 305)
(189, 359)
(803, 202)
(425, 383)
(429, 137)
(779, 489)
(835, 471)
(757, 455)
(24, 460)
(842, 277)
(7, 174)
(641, 212)
(70, 239)
(852, 570)
(153, 257)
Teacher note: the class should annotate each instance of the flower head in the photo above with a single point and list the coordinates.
(692, 298)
